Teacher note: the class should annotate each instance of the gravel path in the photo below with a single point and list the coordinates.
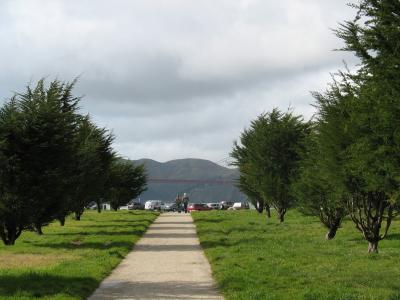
(166, 263)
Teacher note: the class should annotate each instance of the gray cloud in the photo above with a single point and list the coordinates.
(175, 78)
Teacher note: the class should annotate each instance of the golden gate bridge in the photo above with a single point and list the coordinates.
(188, 181)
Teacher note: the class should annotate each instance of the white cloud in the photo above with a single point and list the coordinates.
(175, 78)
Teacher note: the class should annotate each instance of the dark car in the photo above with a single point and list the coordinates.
(198, 207)
(170, 207)
(213, 205)
(135, 206)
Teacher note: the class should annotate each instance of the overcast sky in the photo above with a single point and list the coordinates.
(175, 78)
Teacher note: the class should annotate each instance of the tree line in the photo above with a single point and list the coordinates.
(345, 161)
(54, 161)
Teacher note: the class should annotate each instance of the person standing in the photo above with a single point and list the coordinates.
(178, 202)
(185, 200)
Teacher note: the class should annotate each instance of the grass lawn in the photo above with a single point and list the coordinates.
(252, 258)
(69, 262)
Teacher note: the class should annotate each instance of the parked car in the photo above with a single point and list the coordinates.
(135, 206)
(162, 206)
(92, 205)
(213, 205)
(225, 205)
(240, 206)
(153, 205)
(170, 207)
(198, 207)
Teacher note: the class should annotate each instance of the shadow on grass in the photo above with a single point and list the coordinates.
(147, 222)
(226, 243)
(224, 231)
(124, 226)
(86, 245)
(98, 233)
(45, 285)
(130, 222)
(207, 220)
(126, 222)
(393, 236)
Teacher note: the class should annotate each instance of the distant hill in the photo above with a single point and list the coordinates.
(190, 169)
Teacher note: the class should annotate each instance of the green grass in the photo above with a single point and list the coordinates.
(69, 262)
(252, 258)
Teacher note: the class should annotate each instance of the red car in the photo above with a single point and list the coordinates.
(198, 207)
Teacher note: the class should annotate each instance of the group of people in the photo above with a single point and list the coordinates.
(182, 202)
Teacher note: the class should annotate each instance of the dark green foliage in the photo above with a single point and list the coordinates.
(248, 183)
(14, 214)
(268, 157)
(374, 37)
(317, 191)
(50, 119)
(359, 120)
(249, 186)
(94, 155)
(53, 161)
(351, 162)
(37, 133)
(127, 181)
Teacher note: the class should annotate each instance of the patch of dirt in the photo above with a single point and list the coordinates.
(21, 260)
(76, 242)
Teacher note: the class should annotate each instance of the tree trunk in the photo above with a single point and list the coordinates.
(259, 207)
(333, 227)
(98, 206)
(331, 233)
(369, 212)
(9, 235)
(77, 216)
(281, 215)
(38, 229)
(268, 211)
(373, 247)
(9, 242)
(3, 236)
(62, 221)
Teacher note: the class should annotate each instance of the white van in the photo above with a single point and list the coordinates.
(240, 205)
(153, 205)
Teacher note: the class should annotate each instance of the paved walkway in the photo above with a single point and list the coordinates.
(166, 263)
